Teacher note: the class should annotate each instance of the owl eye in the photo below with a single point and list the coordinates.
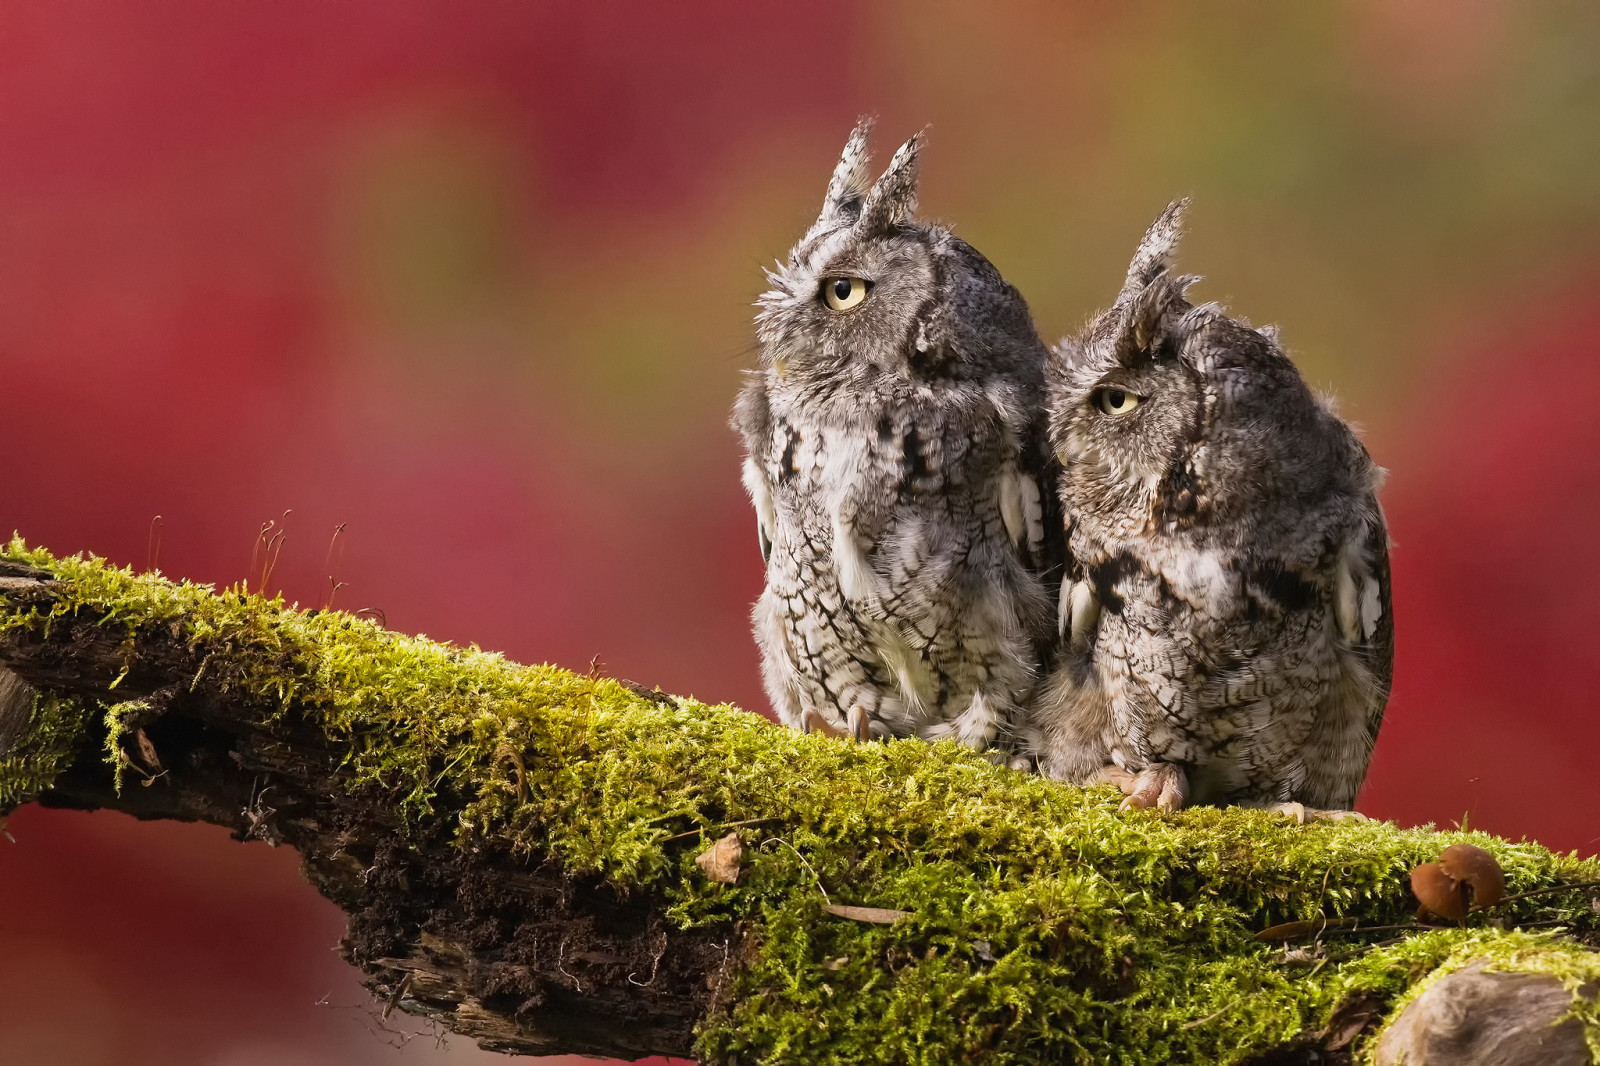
(843, 294)
(1117, 401)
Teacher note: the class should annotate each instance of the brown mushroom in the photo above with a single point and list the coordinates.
(1465, 878)
(1439, 893)
(1475, 867)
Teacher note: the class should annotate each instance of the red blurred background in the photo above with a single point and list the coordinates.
(473, 280)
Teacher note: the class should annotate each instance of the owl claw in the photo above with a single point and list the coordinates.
(860, 724)
(1161, 785)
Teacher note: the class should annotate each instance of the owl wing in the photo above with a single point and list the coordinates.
(755, 483)
(1034, 524)
(1364, 606)
(1029, 507)
(752, 418)
(1022, 510)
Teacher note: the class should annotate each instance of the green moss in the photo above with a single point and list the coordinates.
(53, 735)
(1045, 926)
(116, 721)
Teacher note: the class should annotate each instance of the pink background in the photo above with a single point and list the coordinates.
(474, 279)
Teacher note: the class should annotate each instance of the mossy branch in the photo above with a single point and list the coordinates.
(516, 850)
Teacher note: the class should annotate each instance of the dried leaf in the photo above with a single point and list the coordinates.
(875, 915)
(721, 860)
(1296, 930)
(147, 750)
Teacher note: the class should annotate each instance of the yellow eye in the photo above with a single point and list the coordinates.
(1117, 401)
(843, 294)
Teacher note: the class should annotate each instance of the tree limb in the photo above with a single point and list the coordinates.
(516, 850)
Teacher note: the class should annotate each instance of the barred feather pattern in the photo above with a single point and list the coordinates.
(1226, 609)
(895, 457)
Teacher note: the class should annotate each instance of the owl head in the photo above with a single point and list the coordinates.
(870, 289)
(1170, 416)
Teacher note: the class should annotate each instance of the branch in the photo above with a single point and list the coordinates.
(516, 849)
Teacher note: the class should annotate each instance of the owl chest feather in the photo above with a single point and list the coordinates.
(871, 466)
(1215, 661)
(889, 543)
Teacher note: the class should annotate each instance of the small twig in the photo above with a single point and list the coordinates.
(398, 994)
(1213, 1016)
(1541, 923)
(1409, 926)
(1547, 890)
(718, 825)
(803, 862)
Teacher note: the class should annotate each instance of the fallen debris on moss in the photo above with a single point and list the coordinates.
(516, 847)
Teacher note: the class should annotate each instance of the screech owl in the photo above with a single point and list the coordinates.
(895, 456)
(1225, 620)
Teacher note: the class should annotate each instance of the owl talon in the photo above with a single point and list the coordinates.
(1162, 785)
(1295, 812)
(860, 724)
(816, 723)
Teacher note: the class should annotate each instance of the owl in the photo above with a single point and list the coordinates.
(895, 456)
(1225, 627)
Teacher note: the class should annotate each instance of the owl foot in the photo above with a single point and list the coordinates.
(1161, 785)
(1301, 814)
(815, 723)
(858, 725)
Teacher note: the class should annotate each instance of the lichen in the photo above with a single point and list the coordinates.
(1044, 926)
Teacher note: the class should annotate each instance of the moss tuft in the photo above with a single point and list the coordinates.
(1045, 925)
(49, 741)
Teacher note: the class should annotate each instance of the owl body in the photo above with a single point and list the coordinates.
(895, 458)
(1226, 619)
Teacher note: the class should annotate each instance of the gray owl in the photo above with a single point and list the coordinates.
(1225, 623)
(896, 460)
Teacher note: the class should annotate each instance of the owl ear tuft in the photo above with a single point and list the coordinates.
(1154, 256)
(847, 189)
(1150, 289)
(893, 197)
(1143, 320)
